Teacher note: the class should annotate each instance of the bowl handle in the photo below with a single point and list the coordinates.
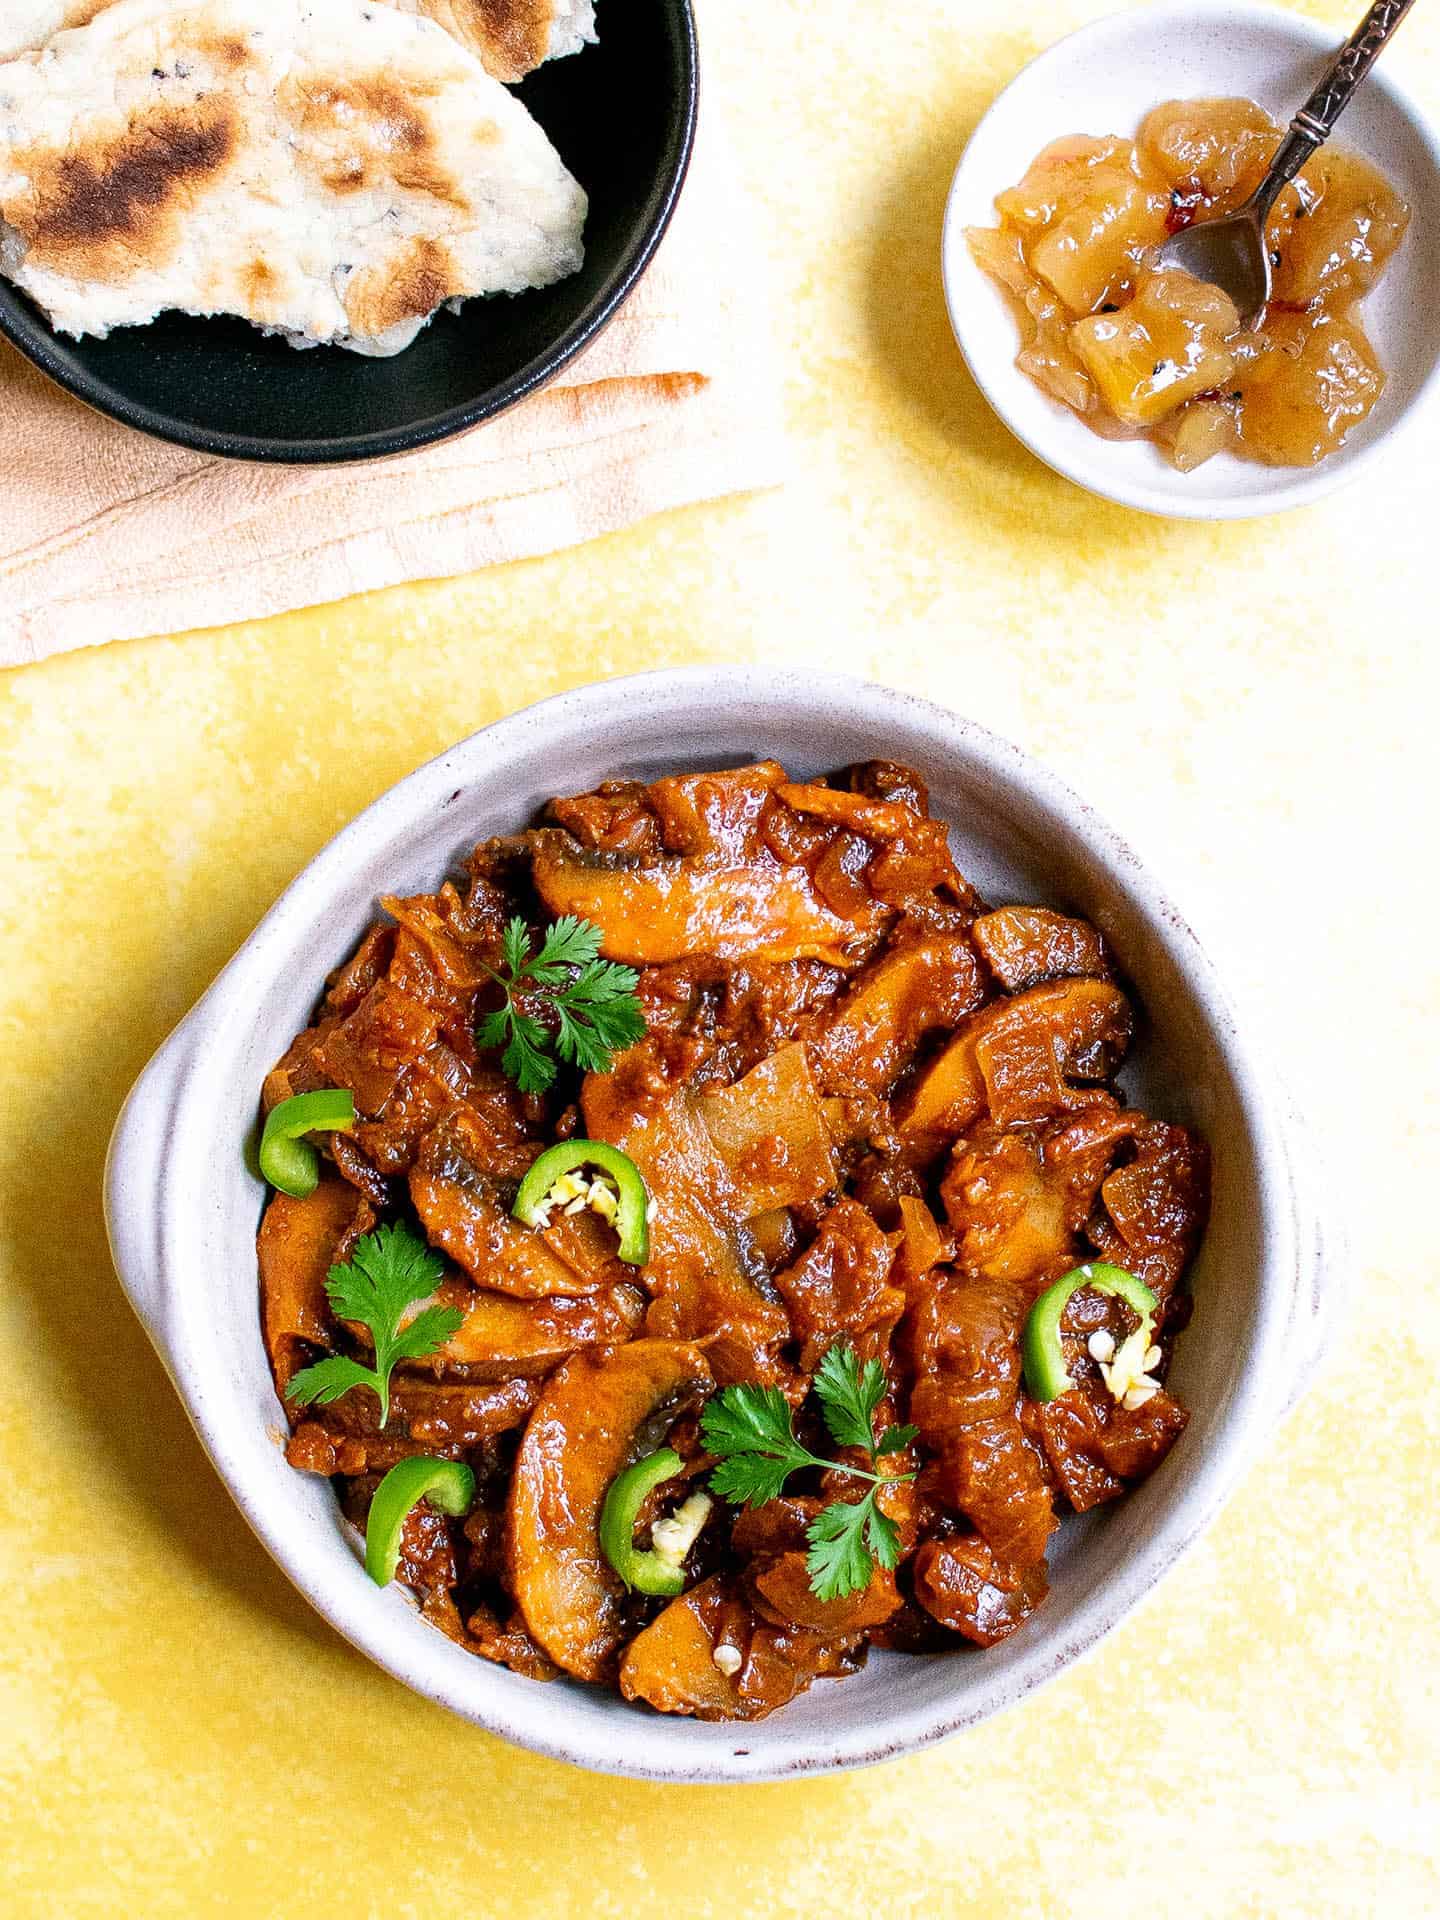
(1322, 1272)
(135, 1185)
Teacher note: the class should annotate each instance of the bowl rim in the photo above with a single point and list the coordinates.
(995, 381)
(22, 323)
(145, 1245)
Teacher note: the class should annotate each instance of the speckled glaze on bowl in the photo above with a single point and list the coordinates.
(183, 1207)
(1104, 80)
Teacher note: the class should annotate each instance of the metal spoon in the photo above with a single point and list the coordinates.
(1231, 253)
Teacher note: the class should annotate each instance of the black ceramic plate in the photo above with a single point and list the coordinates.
(622, 115)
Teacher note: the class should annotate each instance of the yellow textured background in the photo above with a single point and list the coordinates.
(1255, 705)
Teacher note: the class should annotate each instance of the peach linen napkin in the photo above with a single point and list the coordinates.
(106, 534)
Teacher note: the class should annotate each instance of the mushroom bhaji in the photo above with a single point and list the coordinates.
(708, 1241)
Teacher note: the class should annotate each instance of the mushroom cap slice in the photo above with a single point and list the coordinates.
(301, 1238)
(595, 1417)
(671, 1665)
(462, 1212)
(1015, 1057)
(501, 1338)
(872, 1034)
(1025, 946)
(676, 907)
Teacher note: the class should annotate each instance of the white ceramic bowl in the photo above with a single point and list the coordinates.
(183, 1208)
(1103, 80)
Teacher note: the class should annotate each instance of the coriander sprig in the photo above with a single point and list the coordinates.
(593, 1007)
(752, 1431)
(386, 1274)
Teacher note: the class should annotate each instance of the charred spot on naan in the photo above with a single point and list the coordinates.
(408, 286)
(118, 201)
(264, 290)
(370, 132)
(224, 52)
(512, 37)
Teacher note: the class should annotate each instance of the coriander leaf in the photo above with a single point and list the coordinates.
(599, 1016)
(568, 943)
(388, 1271)
(604, 981)
(579, 1044)
(839, 1561)
(883, 1535)
(742, 1419)
(327, 1380)
(524, 1061)
(583, 1008)
(516, 947)
(752, 1431)
(849, 1396)
(754, 1479)
(427, 1332)
(494, 1028)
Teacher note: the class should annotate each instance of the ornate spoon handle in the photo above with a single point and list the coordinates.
(1315, 122)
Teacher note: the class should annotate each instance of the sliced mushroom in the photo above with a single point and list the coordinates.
(1008, 1213)
(876, 820)
(783, 1594)
(1017, 1057)
(301, 1068)
(594, 1419)
(1069, 1429)
(672, 1665)
(449, 972)
(716, 816)
(1017, 1199)
(1023, 946)
(464, 1214)
(707, 1655)
(1134, 1442)
(1094, 1447)
(873, 1032)
(1156, 1207)
(904, 855)
(963, 1349)
(707, 1279)
(508, 1645)
(501, 1338)
(300, 1240)
(840, 1286)
(372, 1047)
(922, 1248)
(426, 1416)
(348, 985)
(676, 908)
(888, 780)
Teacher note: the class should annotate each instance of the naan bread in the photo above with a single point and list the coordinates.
(28, 24)
(512, 37)
(327, 169)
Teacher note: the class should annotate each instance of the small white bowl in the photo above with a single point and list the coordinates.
(1103, 80)
(182, 1206)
